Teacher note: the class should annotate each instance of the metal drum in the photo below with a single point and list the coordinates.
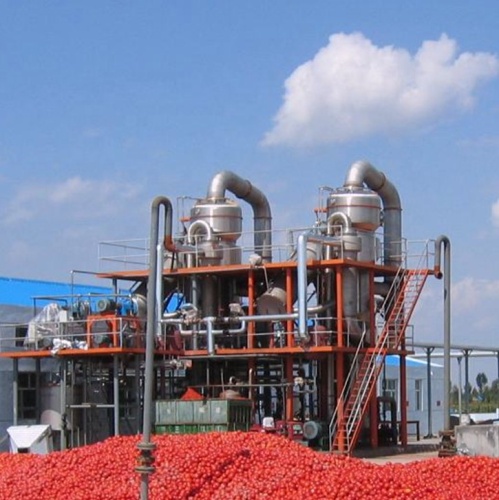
(223, 216)
(363, 206)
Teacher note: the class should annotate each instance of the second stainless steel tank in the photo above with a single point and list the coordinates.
(224, 217)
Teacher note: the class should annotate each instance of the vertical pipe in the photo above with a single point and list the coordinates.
(38, 390)
(339, 307)
(116, 396)
(159, 288)
(138, 393)
(146, 447)
(373, 419)
(466, 380)
(429, 350)
(403, 400)
(443, 240)
(290, 341)
(289, 391)
(460, 395)
(64, 382)
(302, 284)
(195, 302)
(15, 391)
(251, 308)
(209, 334)
(340, 357)
(340, 382)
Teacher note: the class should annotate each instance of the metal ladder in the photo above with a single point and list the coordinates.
(346, 423)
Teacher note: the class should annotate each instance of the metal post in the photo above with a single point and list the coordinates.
(15, 391)
(64, 381)
(466, 353)
(459, 397)
(116, 395)
(38, 391)
(443, 240)
(403, 400)
(429, 350)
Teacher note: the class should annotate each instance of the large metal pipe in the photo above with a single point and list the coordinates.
(146, 447)
(302, 281)
(362, 172)
(445, 242)
(244, 190)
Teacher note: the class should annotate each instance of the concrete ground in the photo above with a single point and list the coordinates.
(415, 450)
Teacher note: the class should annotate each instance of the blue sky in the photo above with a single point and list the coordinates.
(104, 105)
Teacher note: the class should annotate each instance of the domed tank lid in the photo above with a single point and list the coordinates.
(362, 205)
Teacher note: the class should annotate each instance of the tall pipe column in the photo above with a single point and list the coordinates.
(466, 353)
(403, 400)
(445, 242)
(64, 386)
(116, 396)
(340, 358)
(290, 340)
(251, 308)
(429, 350)
(146, 447)
(15, 391)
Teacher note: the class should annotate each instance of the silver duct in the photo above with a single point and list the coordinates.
(146, 447)
(244, 190)
(445, 242)
(350, 245)
(362, 172)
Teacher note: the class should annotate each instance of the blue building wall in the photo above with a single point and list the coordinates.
(20, 292)
(17, 301)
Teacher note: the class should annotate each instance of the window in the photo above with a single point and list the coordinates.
(26, 393)
(418, 394)
(390, 388)
(21, 332)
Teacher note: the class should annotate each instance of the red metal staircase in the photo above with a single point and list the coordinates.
(360, 385)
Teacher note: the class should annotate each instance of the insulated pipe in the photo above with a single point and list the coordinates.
(146, 447)
(362, 172)
(262, 216)
(302, 284)
(210, 335)
(444, 240)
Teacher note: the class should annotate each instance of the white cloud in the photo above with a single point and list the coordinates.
(495, 213)
(352, 88)
(475, 302)
(473, 312)
(74, 198)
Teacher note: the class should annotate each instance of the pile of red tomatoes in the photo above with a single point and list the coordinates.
(237, 465)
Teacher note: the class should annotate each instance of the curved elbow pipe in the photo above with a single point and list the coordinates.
(194, 229)
(338, 218)
(152, 312)
(439, 242)
(244, 190)
(362, 172)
